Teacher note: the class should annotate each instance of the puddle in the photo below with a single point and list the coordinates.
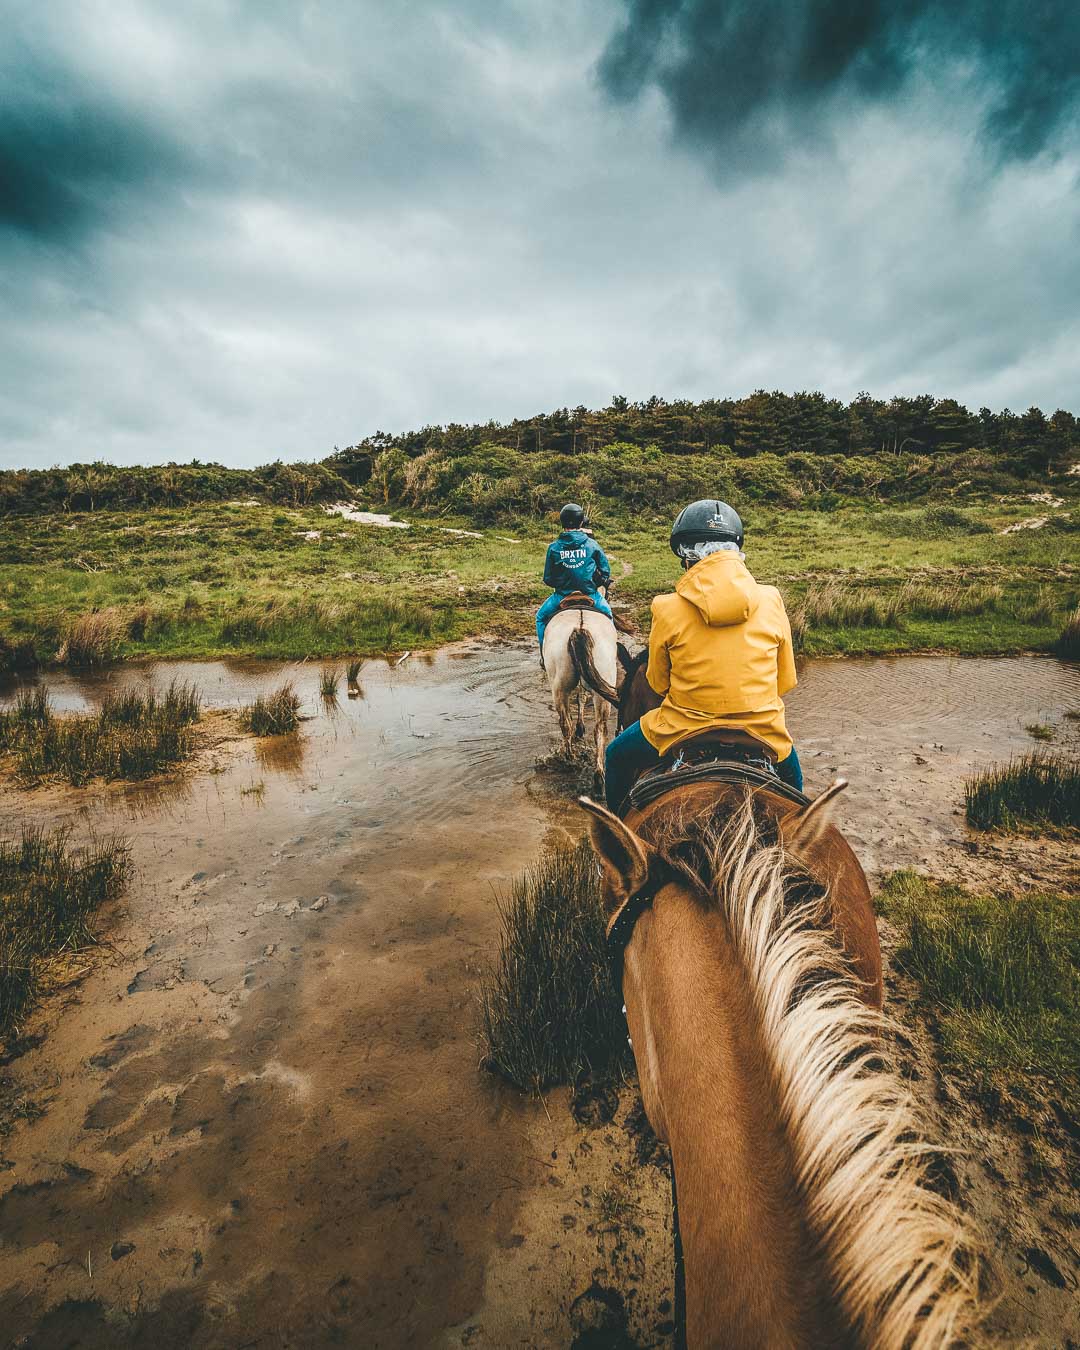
(266, 1097)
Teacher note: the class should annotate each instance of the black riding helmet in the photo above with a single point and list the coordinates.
(572, 516)
(706, 522)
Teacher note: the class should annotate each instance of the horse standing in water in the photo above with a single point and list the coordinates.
(742, 925)
(580, 657)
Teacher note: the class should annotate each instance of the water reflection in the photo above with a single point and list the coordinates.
(282, 754)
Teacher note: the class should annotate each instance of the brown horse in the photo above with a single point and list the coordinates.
(752, 983)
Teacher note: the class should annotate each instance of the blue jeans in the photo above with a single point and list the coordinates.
(630, 754)
(552, 603)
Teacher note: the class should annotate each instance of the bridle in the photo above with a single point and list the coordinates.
(620, 929)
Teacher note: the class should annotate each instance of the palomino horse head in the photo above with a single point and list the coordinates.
(752, 987)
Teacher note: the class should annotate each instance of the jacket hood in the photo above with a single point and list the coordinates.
(721, 588)
(574, 536)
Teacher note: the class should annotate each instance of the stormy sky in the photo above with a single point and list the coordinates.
(249, 229)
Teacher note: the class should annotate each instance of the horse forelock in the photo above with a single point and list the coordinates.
(901, 1260)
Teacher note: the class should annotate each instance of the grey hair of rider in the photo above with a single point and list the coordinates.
(694, 553)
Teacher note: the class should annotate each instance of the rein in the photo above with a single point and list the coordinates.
(621, 928)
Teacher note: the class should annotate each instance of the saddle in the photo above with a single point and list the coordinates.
(578, 600)
(717, 755)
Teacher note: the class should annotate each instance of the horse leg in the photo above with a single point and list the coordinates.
(579, 725)
(566, 721)
(600, 736)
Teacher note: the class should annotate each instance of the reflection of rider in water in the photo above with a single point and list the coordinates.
(575, 564)
(720, 653)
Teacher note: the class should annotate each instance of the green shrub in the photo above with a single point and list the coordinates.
(548, 1009)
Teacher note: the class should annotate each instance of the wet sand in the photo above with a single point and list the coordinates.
(264, 1121)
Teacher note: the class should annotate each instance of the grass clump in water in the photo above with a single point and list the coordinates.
(328, 683)
(273, 714)
(352, 674)
(1004, 973)
(48, 893)
(548, 1009)
(1037, 790)
(133, 735)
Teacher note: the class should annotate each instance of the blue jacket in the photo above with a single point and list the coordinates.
(576, 563)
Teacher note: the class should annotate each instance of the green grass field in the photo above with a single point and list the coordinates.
(232, 578)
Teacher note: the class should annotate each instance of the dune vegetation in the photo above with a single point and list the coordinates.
(905, 525)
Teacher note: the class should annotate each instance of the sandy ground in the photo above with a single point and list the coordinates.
(262, 1121)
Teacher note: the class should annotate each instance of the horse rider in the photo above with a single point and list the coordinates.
(720, 653)
(575, 564)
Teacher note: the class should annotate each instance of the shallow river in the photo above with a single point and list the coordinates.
(264, 1122)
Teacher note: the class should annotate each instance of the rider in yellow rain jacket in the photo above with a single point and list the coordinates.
(720, 653)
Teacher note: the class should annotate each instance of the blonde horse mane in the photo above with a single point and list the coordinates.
(902, 1261)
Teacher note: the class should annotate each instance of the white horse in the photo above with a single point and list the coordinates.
(580, 654)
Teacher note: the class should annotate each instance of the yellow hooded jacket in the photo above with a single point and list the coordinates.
(720, 655)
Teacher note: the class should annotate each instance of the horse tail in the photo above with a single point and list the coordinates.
(581, 655)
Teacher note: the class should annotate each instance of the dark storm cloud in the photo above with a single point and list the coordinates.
(243, 229)
(69, 155)
(750, 75)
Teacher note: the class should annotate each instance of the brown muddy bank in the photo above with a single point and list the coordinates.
(263, 1120)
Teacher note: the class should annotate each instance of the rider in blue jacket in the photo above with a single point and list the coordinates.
(575, 563)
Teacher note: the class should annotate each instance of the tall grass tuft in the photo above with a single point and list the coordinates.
(835, 605)
(1003, 971)
(48, 893)
(1037, 789)
(375, 621)
(328, 683)
(1068, 643)
(1038, 610)
(93, 639)
(949, 602)
(133, 735)
(352, 673)
(548, 1009)
(273, 714)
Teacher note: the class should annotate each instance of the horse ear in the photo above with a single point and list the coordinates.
(624, 858)
(623, 653)
(801, 830)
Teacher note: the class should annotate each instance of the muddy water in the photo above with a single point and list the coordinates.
(264, 1123)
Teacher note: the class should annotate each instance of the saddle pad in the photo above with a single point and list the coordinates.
(658, 781)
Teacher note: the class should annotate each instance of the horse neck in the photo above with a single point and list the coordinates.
(753, 1276)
